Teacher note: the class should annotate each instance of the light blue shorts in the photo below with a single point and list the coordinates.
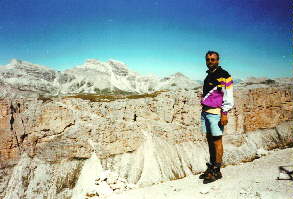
(210, 123)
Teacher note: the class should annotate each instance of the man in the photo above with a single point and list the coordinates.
(217, 100)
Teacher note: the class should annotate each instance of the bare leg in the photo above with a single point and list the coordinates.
(218, 149)
(212, 150)
(216, 154)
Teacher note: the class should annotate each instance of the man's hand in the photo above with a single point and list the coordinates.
(224, 119)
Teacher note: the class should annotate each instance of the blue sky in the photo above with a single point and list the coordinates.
(158, 37)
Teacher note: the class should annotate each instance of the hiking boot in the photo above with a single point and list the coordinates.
(213, 176)
(207, 171)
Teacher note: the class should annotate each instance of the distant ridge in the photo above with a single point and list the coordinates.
(93, 76)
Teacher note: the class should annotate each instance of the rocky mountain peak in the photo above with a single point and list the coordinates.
(106, 67)
(178, 74)
(92, 64)
(25, 65)
(92, 61)
(116, 63)
(15, 62)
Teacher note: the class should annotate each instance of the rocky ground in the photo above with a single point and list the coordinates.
(256, 179)
(57, 148)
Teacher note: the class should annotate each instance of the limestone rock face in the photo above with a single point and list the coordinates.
(24, 79)
(261, 108)
(26, 76)
(265, 110)
(48, 144)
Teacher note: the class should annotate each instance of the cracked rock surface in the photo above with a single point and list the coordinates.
(47, 144)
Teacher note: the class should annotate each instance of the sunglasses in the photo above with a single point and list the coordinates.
(211, 59)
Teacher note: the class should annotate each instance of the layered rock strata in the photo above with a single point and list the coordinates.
(49, 148)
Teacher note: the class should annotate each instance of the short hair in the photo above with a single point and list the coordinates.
(213, 52)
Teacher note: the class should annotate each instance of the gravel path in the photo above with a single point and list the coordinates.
(256, 179)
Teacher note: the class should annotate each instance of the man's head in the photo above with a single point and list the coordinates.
(212, 60)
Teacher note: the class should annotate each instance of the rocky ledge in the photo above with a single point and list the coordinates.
(58, 147)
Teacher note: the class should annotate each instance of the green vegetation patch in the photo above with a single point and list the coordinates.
(113, 97)
(45, 98)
